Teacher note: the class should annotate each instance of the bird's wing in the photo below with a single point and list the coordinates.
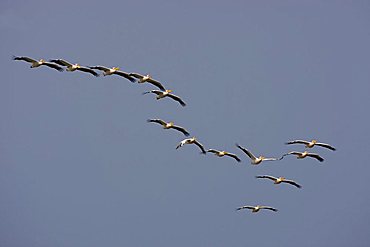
(200, 146)
(157, 92)
(102, 68)
(60, 62)
(136, 75)
(325, 146)
(54, 66)
(316, 156)
(156, 83)
(244, 207)
(292, 183)
(177, 98)
(269, 208)
(246, 151)
(213, 151)
(160, 121)
(269, 159)
(27, 59)
(297, 142)
(267, 176)
(125, 75)
(181, 129)
(182, 143)
(88, 70)
(233, 156)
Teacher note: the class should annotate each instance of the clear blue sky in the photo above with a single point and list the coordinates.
(80, 166)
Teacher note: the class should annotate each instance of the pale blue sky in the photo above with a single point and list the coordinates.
(80, 166)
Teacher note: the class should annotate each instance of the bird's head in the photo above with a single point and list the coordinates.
(262, 157)
(42, 61)
(115, 68)
(169, 91)
(314, 141)
(171, 123)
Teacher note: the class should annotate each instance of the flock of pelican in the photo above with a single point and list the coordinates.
(58, 64)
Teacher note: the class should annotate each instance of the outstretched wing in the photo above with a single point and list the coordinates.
(325, 146)
(233, 156)
(316, 156)
(290, 153)
(245, 207)
(60, 62)
(88, 70)
(181, 129)
(246, 151)
(125, 75)
(156, 83)
(52, 65)
(177, 98)
(136, 75)
(27, 59)
(213, 151)
(297, 142)
(160, 121)
(102, 68)
(200, 146)
(267, 176)
(269, 208)
(157, 92)
(292, 183)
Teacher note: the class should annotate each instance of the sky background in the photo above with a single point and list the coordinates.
(80, 166)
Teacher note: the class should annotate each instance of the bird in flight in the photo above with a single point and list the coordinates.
(191, 140)
(254, 160)
(223, 153)
(74, 67)
(169, 125)
(166, 93)
(302, 155)
(113, 71)
(41, 62)
(148, 79)
(310, 144)
(257, 208)
(280, 180)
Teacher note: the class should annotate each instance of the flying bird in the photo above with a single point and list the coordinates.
(280, 180)
(301, 155)
(257, 208)
(74, 67)
(148, 79)
(310, 144)
(255, 160)
(169, 125)
(166, 93)
(113, 71)
(223, 153)
(191, 140)
(35, 63)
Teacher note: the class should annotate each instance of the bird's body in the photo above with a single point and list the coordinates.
(223, 153)
(148, 79)
(166, 93)
(311, 144)
(169, 125)
(302, 155)
(257, 208)
(279, 180)
(113, 71)
(73, 67)
(255, 160)
(191, 140)
(35, 63)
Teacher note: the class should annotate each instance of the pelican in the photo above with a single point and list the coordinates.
(223, 153)
(280, 180)
(114, 70)
(254, 160)
(169, 125)
(35, 64)
(73, 67)
(310, 144)
(166, 93)
(301, 155)
(191, 140)
(147, 78)
(257, 208)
